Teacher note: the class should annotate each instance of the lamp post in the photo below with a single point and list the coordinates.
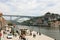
(39, 30)
(30, 24)
(0, 32)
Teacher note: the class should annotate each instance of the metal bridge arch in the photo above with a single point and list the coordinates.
(18, 17)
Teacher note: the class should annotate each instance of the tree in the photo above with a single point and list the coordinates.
(48, 13)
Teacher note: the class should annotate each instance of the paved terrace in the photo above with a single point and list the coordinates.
(38, 37)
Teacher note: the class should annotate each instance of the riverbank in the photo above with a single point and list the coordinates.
(29, 37)
(51, 32)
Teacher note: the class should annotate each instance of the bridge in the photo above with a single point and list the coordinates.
(18, 17)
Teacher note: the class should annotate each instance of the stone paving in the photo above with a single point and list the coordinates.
(38, 37)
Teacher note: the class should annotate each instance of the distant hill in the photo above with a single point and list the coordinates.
(13, 22)
(42, 20)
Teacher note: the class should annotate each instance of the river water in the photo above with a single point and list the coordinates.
(51, 32)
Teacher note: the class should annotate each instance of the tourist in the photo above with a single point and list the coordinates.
(22, 37)
(30, 32)
(34, 35)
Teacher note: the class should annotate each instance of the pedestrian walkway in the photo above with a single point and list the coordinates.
(39, 37)
(28, 37)
(2, 38)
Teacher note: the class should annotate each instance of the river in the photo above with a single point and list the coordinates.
(51, 32)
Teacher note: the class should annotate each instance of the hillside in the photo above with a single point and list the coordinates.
(13, 22)
(42, 20)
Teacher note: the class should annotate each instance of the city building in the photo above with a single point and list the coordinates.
(55, 23)
(2, 21)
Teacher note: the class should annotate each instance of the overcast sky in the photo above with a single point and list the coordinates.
(29, 7)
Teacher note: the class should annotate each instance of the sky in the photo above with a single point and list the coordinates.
(29, 7)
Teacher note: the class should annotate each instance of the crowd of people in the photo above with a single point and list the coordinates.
(27, 33)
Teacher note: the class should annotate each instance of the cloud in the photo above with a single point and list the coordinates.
(29, 7)
(4, 8)
(54, 9)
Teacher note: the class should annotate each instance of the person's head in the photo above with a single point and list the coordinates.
(1, 14)
(34, 35)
